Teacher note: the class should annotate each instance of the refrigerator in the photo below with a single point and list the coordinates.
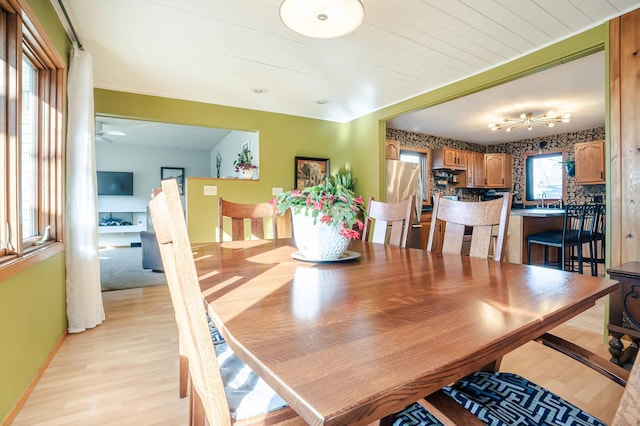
(403, 180)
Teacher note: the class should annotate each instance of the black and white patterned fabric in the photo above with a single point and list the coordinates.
(247, 394)
(415, 415)
(503, 399)
(216, 337)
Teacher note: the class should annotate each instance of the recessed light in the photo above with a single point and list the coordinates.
(322, 101)
(259, 90)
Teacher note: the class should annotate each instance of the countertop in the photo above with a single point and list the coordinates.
(537, 212)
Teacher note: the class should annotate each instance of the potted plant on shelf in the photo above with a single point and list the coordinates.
(244, 163)
(570, 165)
(324, 217)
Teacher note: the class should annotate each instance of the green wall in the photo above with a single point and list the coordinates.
(34, 317)
(32, 303)
(282, 137)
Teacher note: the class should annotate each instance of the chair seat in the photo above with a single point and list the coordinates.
(247, 394)
(553, 237)
(508, 399)
(503, 399)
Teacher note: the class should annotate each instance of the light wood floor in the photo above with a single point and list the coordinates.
(125, 371)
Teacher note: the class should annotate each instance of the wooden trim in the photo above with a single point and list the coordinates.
(412, 149)
(13, 412)
(15, 265)
(564, 175)
(614, 189)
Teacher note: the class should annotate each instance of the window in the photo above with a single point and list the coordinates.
(31, 137)
(544, 176)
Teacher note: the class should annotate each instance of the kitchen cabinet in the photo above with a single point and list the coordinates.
(449, 158)
(589, 158)
(489, 170)
(475, 170)
(425, 221)
(392, 149)
(498, 170)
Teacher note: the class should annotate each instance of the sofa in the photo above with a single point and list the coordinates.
(150, 252)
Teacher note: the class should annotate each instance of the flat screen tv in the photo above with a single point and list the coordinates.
(115, 183)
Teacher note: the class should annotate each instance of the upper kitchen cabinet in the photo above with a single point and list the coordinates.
(449, 158)
(498, 171)
(489, 170)
(475, 170)
(392, 149)
(589, 163)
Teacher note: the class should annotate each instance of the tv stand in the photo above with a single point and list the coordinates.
(121, 228)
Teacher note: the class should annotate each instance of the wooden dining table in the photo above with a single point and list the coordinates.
(353, 341)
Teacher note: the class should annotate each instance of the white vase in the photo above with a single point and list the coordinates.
(317, 241)
(247, 173)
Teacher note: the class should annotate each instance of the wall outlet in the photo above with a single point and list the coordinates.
(210, 190)
(276, 190)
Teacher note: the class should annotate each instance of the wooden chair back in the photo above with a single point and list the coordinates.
(481, 217)
(254, 213)
(388, 223)
(182, 280)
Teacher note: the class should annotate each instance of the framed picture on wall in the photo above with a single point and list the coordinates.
(310, 171)
(176, 173)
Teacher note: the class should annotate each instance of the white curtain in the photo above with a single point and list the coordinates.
(84, 296)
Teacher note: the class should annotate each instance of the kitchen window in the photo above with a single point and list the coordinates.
(544, 176)
(31, 139)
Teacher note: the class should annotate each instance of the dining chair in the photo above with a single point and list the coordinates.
(240, 213)
(218, 395)
(569, 237)
(502, 399)
(484, 223)
(388, 223)
(597, 234)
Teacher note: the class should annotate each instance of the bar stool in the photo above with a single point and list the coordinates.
(566, 238)
(597, 236)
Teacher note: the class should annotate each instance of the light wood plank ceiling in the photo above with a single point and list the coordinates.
(220, 51)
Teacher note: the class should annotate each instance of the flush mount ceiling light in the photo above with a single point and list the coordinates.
(322, 18)
(527, 119)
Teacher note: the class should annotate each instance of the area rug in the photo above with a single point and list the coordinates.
(121, 268)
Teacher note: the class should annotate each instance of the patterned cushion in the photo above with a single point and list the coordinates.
(216, 337)
(502, 399)
(415, 415)
(247, 394)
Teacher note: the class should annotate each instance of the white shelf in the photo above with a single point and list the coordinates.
(121, 229)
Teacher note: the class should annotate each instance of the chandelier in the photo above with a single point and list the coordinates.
(527, 119)
(322, 18)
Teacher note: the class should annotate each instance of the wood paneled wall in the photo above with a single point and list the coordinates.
(624, 70)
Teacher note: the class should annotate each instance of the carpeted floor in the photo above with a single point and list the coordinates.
(121, 268)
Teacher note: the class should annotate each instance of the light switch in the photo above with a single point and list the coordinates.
(276, 190)
(210, 190)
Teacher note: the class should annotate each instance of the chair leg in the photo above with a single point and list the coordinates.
(593, 257)
(528, 253)
(579, 258)
(546, 255)
(184, 375)
(197, 415)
